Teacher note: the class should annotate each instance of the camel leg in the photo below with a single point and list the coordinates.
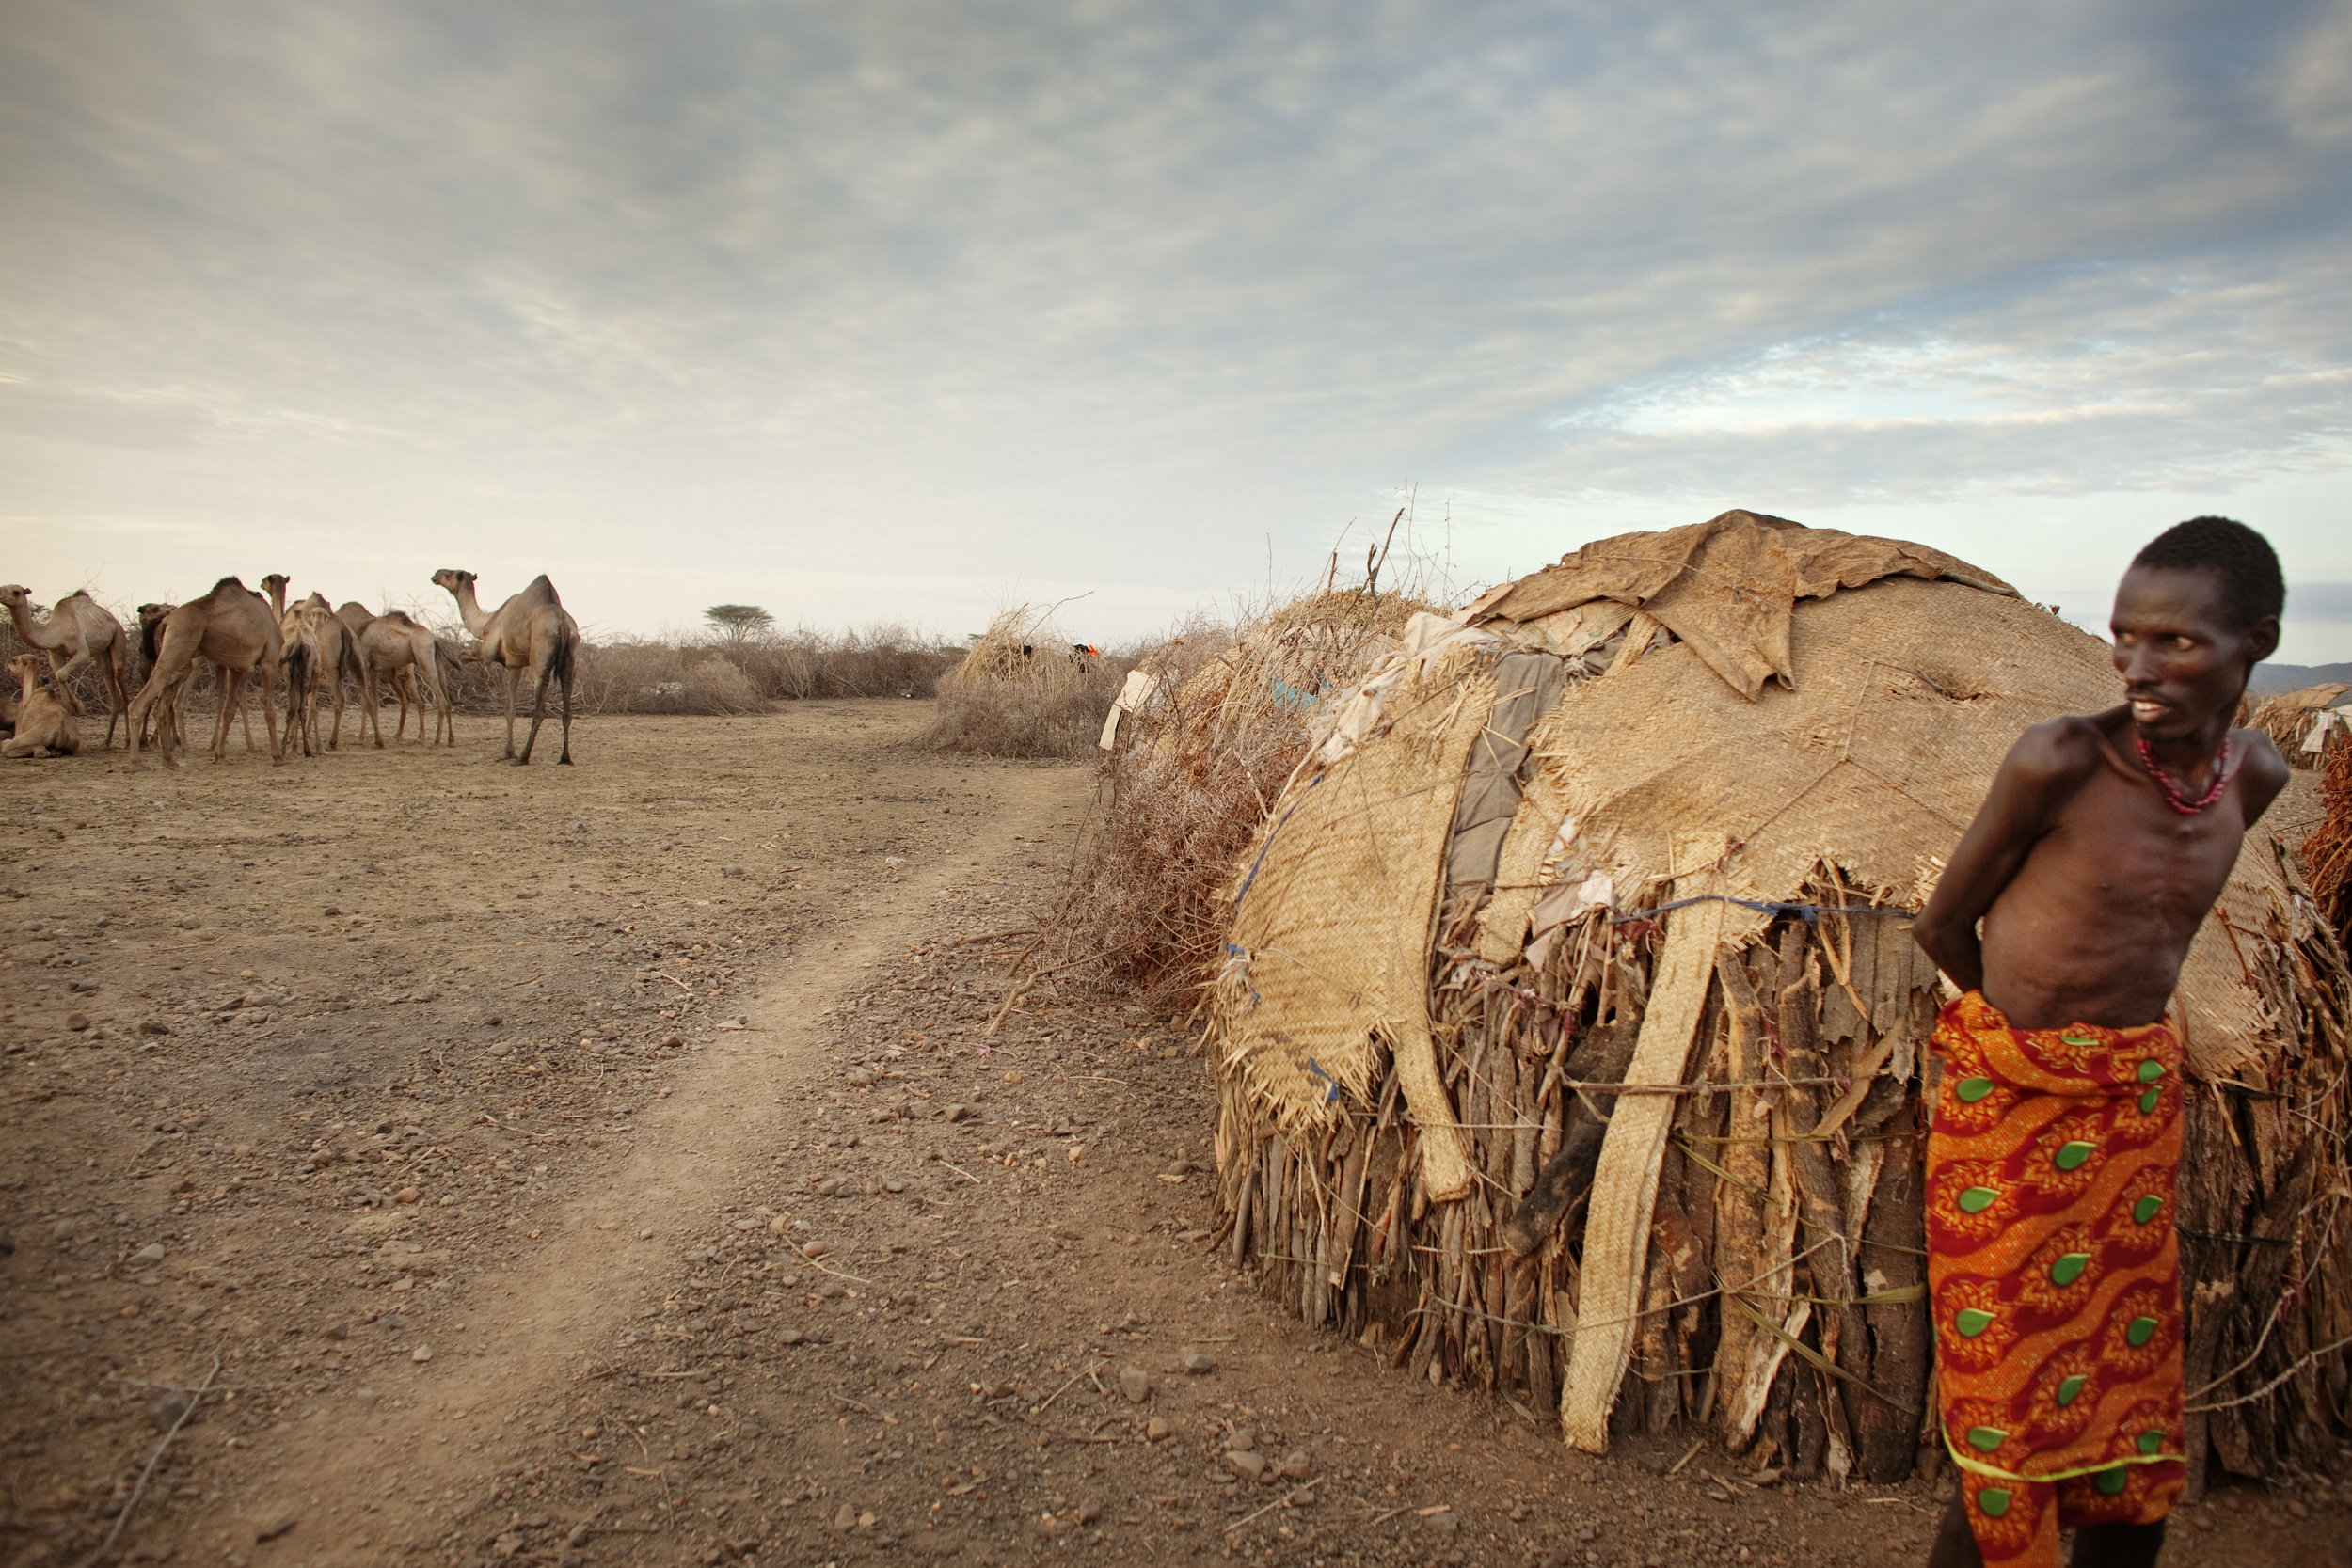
(269, 712)
(430, 678)
(57, 673)
(117, 694)
(565, 760)
(538, 714)
(232, 697)
(514, 679)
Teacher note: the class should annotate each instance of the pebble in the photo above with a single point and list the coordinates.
(857, 1078)
(1245, 1463)
(671, 1041)
(1135, 1383)
(166, 1408)
(731, 869)
(151, 1253)
(1297, 1464)
(499, 1048)
(153, 1027)
(276, 1528)
(420, 1355)
(77, 1020)
(845, 1518)
(790, 1336)
(1446, 1522)
(1156, 1430)
(1197, 1365)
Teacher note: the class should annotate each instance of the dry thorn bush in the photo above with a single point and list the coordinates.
(1025, 690)
(1194, 773)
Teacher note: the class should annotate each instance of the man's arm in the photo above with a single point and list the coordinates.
(2044, 768)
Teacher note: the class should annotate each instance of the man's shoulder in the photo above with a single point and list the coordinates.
(2263, 773)
(2067, 749)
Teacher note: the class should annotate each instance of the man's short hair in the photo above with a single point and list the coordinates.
(2249, 567)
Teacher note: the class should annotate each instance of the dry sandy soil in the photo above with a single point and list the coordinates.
(607, 1164)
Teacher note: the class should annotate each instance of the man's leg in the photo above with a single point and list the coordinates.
(2018, 1521)
(2118, 1546)
(1955, 1542)
(2117, 1517)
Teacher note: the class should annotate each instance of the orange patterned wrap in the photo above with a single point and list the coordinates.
(2055, 1277)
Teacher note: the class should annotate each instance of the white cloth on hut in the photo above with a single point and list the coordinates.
(1357, 713)
(1131, 698)
(2328, 719)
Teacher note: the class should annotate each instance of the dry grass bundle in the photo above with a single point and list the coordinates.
(1025, 690)
(1570, 1044)
(2327, 853)
(1191, 776)
(2288, 718)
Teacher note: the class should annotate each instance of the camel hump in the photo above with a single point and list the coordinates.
(227, 582)
(541, 591)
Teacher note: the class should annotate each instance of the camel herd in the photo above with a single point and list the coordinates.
(316, 647)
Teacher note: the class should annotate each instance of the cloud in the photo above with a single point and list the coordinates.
(2328, 603)
(1115, 291)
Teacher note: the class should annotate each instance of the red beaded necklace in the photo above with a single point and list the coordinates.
(2172, 793)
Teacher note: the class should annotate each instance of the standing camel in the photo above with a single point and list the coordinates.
(231, 629)
(81, 630)
(530, 631)
(393, 647)
(46, 727)
(320, 652)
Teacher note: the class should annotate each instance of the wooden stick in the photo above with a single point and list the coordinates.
(153, 1459)
(1061, 1391)
(1278, 1502)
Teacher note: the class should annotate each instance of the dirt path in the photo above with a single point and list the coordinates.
(510, 1247)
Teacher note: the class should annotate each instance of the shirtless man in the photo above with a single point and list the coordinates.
(2052, 1268)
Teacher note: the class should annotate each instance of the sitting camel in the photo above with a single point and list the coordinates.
(395, 647)
(79, 631)
(231, 629)
(46, 727)
(530, 631)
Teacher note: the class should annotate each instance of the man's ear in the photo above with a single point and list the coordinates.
(2261, 638)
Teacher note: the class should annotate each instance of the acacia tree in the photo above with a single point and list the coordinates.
(738, 623)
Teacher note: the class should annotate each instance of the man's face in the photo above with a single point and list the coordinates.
(2182, 656)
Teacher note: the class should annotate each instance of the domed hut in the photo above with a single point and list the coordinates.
(1619, 861)
(2289, 718)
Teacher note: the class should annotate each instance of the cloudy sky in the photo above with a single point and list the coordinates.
(899, 311)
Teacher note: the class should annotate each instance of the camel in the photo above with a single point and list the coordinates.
(231, 629)
(320, 652)
(530, 631)
(395, 647)
(152, 618)
(46, 727)
(80, 629)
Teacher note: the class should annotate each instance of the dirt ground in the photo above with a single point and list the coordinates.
(606, 1164)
